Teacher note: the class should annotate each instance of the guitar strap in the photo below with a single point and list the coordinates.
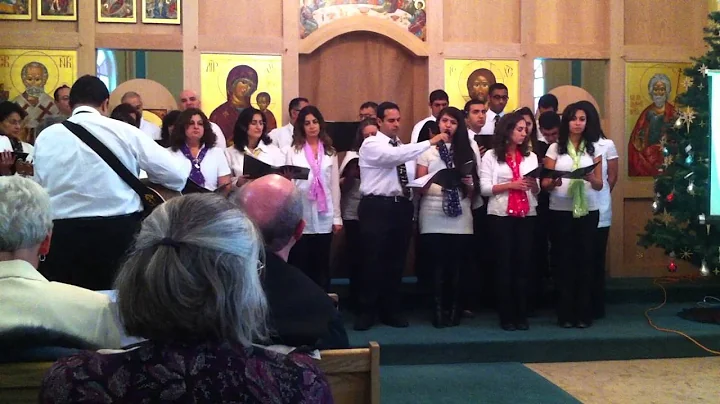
(149, 198)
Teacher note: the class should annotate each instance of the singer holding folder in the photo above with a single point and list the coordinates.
(250, 138)
(573, 216)
(312, 148)
(511, 216)
(446, 222)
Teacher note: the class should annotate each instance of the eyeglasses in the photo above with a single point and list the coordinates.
(500, 97)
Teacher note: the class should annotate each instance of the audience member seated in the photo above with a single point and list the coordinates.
(126, 113)
(34, 311)
(301, 313)
(191, 287)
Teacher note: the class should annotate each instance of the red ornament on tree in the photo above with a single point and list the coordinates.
(670, 197)
(672, 266)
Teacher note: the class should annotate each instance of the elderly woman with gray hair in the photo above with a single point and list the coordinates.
(191, 287)
(33, 311)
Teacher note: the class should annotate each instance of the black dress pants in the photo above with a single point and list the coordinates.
(479, 290)
(598, 277)
(574, 246)
(540, 266)
(353, 255)
(311, 254)
(513, 248)
(87, 252)
(385, 230)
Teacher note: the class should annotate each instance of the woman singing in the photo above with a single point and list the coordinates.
(192, 138)
(350, 188)
(511, 215)
(446, 222)
(574, 216)
(312, 148)
(11, 117)
(605, 148)
(250, 138)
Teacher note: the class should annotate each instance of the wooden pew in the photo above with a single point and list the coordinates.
(20, 382)
(353, 374)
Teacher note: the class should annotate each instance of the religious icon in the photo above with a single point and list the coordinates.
(58, 10)
(471, 79)
(408, 14)
(15, 9)
(263, 100)
(161, 11)
(116, 11)
(229, 82)
(650, 111)
(31, 76)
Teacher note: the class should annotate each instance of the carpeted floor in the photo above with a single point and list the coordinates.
(623, 335)
(496, 383)
(660, 381)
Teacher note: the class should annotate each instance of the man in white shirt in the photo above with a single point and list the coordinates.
(150, 129)
(439, 100)
(95, 213)
(191, 99)
(385, 214)
(282, 137)
(475, 115)
(498, 94)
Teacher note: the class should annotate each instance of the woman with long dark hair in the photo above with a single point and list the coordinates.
(350, 200)
(250, 138)
(511, 215)
(446, 223)
(605, 148)
(574, 215)
(126, 113)
(312, 148)
(192, 138)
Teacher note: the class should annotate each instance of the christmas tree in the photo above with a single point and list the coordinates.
(682, 188)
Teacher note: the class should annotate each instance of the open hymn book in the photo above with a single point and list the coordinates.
(446, 178)
(255, 168)
(542, 172)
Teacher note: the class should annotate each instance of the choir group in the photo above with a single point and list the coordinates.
(497, 201)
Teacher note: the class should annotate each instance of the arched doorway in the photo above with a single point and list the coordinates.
(363, 66)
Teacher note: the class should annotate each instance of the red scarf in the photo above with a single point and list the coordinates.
(518, 204)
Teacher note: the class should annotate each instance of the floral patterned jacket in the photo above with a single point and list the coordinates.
(154, 372)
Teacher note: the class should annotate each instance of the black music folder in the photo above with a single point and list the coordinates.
(542, 172)
(255, 168)
(446, 178)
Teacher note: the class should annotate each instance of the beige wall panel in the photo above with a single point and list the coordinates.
(580, 22)
(666, 23)
(252, 17)
(138, 36)
(490, 21)
(638, 262)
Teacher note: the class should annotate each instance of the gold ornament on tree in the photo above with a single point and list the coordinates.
(686, 254)
(687, 116)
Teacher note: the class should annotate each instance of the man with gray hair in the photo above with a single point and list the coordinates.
(644, 149)
(150, 129)
(301, 313)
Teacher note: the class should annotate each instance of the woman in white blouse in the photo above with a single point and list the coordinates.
(446, 222)
(574, 216)
(605, 148)
(312, 148)
(192, 138)
(250, 138)
(11, 117)
(511, 215)
(349, 201)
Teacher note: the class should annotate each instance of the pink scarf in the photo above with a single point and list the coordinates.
(317, 191)
(518, 204)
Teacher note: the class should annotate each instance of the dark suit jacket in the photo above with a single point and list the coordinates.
(543, 197)
(301, 313)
